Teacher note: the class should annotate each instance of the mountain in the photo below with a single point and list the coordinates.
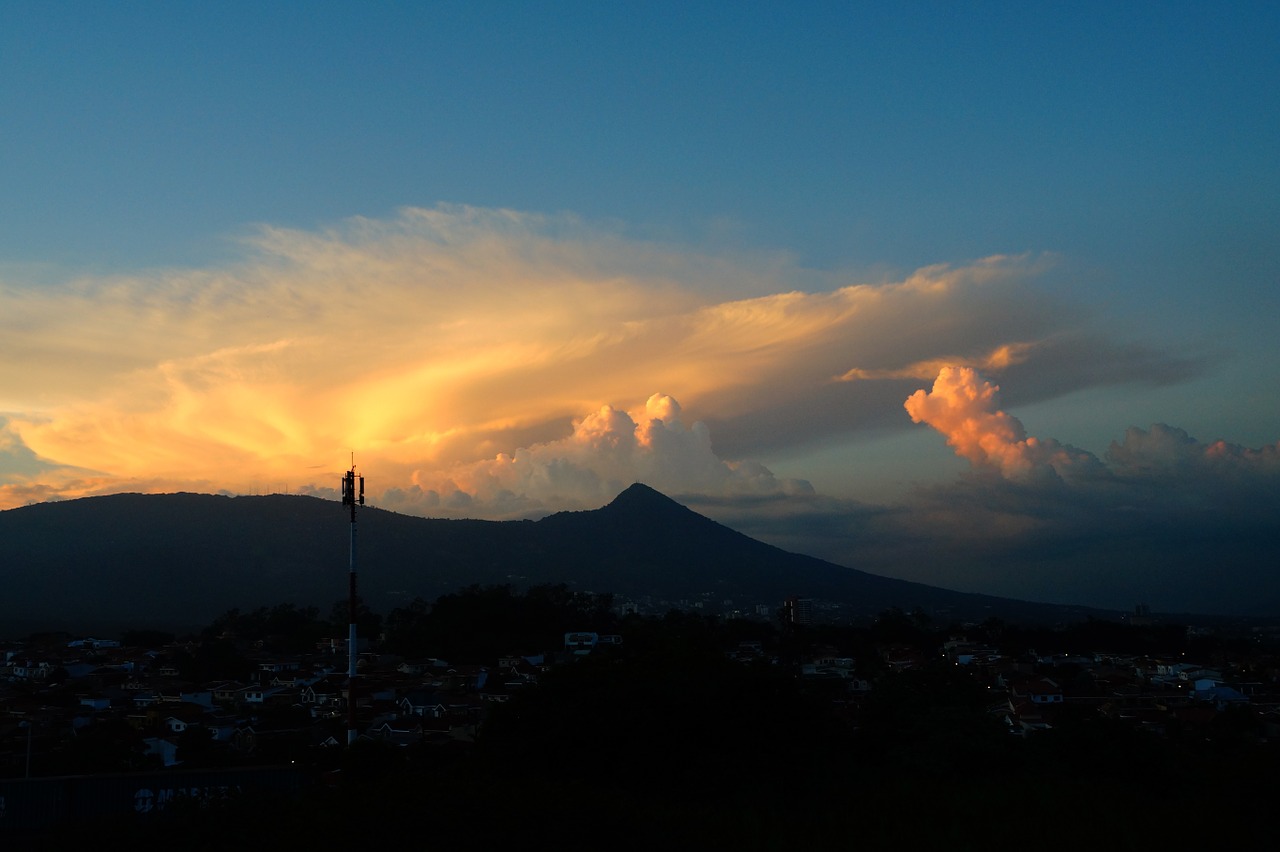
(179, 560)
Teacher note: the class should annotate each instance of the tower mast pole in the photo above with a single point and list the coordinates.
(352, 495)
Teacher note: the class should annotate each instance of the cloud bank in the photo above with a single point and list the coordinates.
(607, 451)
(497, 364)
(1163, 519)
(463, 351)
(965, 408)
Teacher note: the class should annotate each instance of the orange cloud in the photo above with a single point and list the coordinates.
(965, 409)
(607, 450)
(1000, 358)
(442, 339)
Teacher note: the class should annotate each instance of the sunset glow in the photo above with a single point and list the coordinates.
(443, 361)
(946, 301)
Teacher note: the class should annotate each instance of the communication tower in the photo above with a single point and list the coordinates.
(352, 495)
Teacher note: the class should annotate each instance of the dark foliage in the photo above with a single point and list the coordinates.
(212, 660)
(691, 725)
(146, 638)
(111, 745)
(485, 622)
(284, 627)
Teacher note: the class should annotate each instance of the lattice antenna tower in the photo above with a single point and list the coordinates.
(352, 495)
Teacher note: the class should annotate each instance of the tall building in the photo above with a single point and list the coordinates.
(797, 611)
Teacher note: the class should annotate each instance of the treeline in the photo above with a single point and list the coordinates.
(474, 624)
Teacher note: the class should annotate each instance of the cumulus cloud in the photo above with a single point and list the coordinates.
(1164, 452)
(607, 451)
(482, 348)
(1166, 519)
(965, 408)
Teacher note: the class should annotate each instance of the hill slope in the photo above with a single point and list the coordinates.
(179, 560)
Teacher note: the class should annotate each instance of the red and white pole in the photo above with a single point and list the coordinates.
(352, 498)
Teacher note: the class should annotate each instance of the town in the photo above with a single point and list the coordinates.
(565, 686)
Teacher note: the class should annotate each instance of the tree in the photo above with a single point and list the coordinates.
(146, 638)
(110, 745)
(409, 629)
(368, 622)
(197, 749)
(213, 660)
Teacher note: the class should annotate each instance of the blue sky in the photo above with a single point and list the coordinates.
(611, 201)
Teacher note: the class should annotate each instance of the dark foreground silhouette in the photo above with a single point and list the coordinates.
(669, 743)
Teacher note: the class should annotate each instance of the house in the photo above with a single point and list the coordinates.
(965, 653)
(1218, 693)
(96, 644)
(170, 692)
(165, 748)
(174, 725)
(182, 716)
(222, 728)
(1041, 690)
(902, 657)
(78, 669)
(399, 735)
(226, 692)
(1166, 672)
(580, 644)
(273, 668)
(28, 671)
(827, 668)
(516, 671)
(145, 698)
(259, 694)
(292, 679)
(1026, 718)
(463, 717)
(419, 668)
(422, 703)
(95, 702)
(325, 691)
(495, 691)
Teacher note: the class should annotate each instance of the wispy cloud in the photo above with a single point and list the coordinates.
(498, 356)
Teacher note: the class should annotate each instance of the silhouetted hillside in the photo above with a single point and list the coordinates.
(178, 560)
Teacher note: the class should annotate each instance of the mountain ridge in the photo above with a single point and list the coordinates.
(179, 560)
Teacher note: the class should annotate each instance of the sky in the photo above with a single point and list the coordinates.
(979, 295)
